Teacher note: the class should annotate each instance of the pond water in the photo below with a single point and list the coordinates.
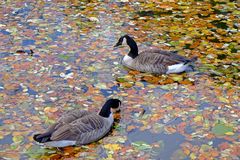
(192, 115)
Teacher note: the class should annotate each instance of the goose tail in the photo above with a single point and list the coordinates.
(181, 67)
(42, 138)
(194, 59)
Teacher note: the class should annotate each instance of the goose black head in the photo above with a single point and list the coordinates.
(120, 41)
(131, 43)
(111, 103)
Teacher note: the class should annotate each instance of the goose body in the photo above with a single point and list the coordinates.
(154, 60)
(77, 127)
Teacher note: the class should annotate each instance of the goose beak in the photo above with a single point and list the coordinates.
(117, 46)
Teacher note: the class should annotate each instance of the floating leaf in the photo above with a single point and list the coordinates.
(50, 109)
(129, 128)
(140, 145)
(112, 147)
(221, 129)
(177, 78)
(72, 43)
(91, 68)
(121, 79)
(198, 118)
(126, 84)
(193, 156)
(63, 56)
(18, 139)
(229, 133)
(222, 99)
(38, 151)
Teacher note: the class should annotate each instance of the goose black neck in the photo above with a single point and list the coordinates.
(133, 53)
(105, 111)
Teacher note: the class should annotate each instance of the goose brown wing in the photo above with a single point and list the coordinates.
(167, 57)
(73, 115)
(68, 117)
(148, 62)
(156, 61)
(81, 129)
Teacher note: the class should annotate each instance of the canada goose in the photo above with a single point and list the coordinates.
(154, 60)
(78, 127)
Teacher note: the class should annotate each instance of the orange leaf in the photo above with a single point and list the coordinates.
(214, 153)
(131, 127)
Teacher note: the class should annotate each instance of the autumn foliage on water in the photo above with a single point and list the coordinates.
(58, 55)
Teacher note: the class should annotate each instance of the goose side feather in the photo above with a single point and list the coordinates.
(154, 60)
(76, 127)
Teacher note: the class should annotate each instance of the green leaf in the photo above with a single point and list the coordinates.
(140, 145)
(37, 151)
(236, 12)
(63, 56)
(120, 79)
(177, 78)
(221, 128)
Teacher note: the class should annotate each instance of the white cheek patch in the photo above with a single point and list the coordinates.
(124, 41)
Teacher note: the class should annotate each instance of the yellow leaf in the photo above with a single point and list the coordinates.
(177, 78)
(1, 110)
(198, 118)
(224, 100)
(50, 109)
(174, 27)
(126, 85)
(91, 68)
(131, 127)
(74, 2)
(18, 139)
(139, 84)
(112, 147)
(193, 156)
(229, 133)
(191, 28)
(109, 157)
(206, 125)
